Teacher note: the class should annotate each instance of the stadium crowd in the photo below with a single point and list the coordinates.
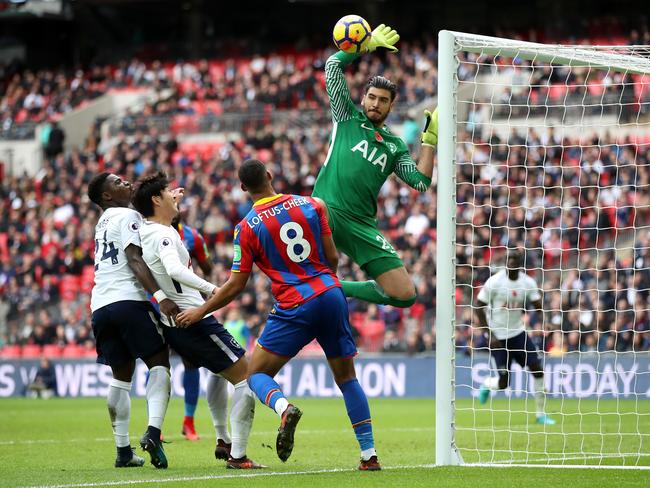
(292, 80)
(560, 203)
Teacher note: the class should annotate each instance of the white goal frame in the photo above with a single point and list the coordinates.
(450, 44)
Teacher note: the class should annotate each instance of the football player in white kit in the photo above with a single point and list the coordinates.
(206, 343)
(125, 324)
(506, 295)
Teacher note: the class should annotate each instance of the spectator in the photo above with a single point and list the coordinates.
(44, 384)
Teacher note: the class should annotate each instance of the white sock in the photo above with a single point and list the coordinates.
(540, 395)
(281, 405)
(158, 391)
(241, 418)
(119, 409)
(491, 382)
(217, 395)
(368, 453)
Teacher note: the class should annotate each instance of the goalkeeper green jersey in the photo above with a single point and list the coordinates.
(360, 156)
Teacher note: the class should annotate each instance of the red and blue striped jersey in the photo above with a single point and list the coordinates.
(283, 236)
(194, 242)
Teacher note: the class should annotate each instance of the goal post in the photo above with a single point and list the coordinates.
(545, 147)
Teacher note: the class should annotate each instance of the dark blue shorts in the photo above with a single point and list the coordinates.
(206, 343)
(519, 348)
(125, 331)
(324, 318)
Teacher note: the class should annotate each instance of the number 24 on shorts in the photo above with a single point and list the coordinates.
(385, 244)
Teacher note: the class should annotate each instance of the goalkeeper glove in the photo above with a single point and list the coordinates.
(383, 36)
(430, 132)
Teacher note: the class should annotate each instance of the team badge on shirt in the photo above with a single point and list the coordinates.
(165, 242)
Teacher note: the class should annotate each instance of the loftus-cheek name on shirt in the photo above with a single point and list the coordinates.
(276, 210)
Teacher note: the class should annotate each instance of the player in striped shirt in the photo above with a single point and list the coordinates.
(289, 239)
(363, 153)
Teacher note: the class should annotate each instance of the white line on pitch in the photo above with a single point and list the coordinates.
(317, 471)
(14, 442)
(555, 466)
(221, 477)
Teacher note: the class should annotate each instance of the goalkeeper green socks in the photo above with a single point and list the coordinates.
(370, 291)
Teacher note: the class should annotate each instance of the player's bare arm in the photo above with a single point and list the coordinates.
(206, 266)
(222, 297)
(144, 276)
(483, 324)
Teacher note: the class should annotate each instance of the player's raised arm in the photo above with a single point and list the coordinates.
(341, 104)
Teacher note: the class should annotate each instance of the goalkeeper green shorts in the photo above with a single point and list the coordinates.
(363, 242)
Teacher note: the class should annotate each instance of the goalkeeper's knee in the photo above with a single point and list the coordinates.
(399, 303)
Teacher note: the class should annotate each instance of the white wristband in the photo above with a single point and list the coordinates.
(160, 296)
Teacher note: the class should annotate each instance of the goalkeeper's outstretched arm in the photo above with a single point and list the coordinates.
(341, 104)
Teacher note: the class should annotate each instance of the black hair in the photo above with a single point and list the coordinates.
(252, 174)
(516, 253)
(146, 189)
(383, 83)
(96, 188)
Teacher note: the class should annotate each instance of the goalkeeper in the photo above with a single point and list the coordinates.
(363, 153)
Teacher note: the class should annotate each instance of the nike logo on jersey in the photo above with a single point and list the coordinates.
(364, 126)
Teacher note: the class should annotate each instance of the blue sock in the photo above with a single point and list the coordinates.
(356, 404)
(266, 389)
(191, 378)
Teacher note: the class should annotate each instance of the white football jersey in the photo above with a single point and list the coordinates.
(506, 301)
(171, 266)
(116, 229)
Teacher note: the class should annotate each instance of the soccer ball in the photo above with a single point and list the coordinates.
(351, 34)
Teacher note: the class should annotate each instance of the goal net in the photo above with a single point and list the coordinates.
(545, 148)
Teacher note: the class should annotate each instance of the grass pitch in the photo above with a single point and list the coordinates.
(68, 443)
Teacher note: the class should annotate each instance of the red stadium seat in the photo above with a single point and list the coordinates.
(596, 89)
(4, 247)
(52, 351)
(12, 351)
(87, 279)
(89, 352)
(73, 351)
(69, 287)
(558, 92)
(213, 106)
(372, 334)
(32, 351)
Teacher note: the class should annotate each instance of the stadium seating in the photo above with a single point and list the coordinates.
(208, 168)
(73, 351)
(11, 351)
(52, 351)
(31, 351)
